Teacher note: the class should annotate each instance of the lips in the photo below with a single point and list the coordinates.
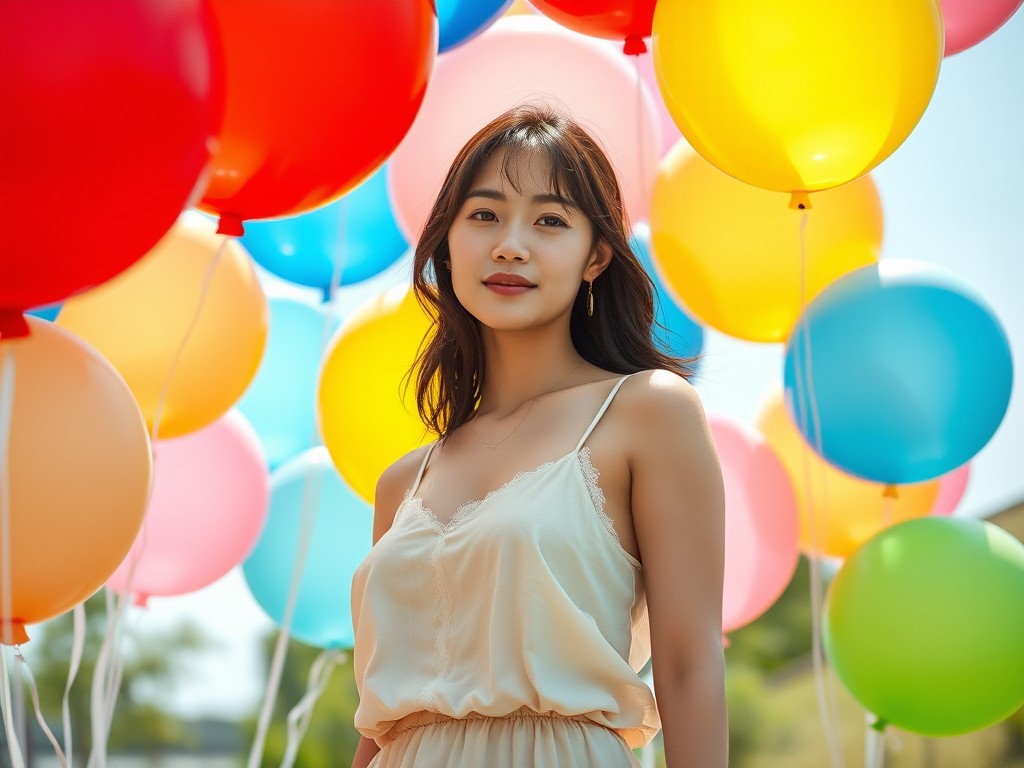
(508, 279)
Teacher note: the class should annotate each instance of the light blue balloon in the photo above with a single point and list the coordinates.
(280, 403)
(679, 335)
(49, 312)
(341, 538)
(462, 20)
(358, 230)
(911, 372)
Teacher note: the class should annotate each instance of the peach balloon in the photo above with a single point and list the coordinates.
(208, 506)
(139, 319)
(761, 550)
(838, 512)
(526, 59)
(79, 468)
(731, 252)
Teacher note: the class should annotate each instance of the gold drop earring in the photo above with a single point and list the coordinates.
(590, 298)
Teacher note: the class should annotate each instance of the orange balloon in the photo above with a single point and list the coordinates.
(139, 319)
(366, 419)
(731, 252)
(79, 472)
(846, 511)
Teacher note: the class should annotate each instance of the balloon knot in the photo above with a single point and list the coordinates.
(879, 725)
(800, 201)
(13, 324)
(230, 224)
(890, 492)
(634, 46)
(12, 632)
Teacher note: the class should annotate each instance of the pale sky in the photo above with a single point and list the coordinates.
(953, 194)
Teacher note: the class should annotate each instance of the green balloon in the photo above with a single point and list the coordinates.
(924, 625)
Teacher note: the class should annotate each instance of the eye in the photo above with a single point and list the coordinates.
(552, 221)
(483, 216)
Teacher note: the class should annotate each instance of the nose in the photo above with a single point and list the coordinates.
(511, 246)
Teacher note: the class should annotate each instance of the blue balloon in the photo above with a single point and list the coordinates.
(910, 371)
(280, 401)
(678, 335)
(358, 231)
(49, 312)
(462, 20)
(341, 538)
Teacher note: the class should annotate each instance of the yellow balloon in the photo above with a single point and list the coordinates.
(731, 252)
(139, 319)
(797, 95)
(847, 511)
(520, 8)
(366, 419)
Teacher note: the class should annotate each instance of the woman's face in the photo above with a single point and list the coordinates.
(518, 258)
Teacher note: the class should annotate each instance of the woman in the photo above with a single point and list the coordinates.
(502, 615)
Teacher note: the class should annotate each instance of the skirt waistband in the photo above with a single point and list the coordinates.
(423, 718)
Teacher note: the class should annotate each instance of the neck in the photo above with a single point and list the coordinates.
(520, 366)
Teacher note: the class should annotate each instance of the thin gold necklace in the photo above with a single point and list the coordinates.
(528, 409)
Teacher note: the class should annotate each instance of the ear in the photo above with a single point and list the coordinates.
(600, 258)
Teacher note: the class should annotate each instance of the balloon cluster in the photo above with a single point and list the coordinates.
(265, 114)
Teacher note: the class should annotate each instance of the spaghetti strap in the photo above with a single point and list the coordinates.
(423, 466)
(600, 413)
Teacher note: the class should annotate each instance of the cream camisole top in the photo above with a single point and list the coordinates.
(525, 598)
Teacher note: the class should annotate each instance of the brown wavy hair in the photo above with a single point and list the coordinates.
(450, 365)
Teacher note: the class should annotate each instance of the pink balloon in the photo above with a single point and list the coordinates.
(951, 489)
(968, 22)
(761, 528)
(669, 130)
(527, 59)
(205, 514)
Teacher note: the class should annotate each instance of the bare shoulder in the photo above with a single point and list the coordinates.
(662, 404)
(391, 487)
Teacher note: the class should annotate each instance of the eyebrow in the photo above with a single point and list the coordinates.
(546, 197)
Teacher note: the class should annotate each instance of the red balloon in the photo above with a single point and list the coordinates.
(318, 95)
(108, 106)
(628, 20)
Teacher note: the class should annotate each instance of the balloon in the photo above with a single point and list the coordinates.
(357, 233)
(628, 20)
(111, 106)
(745, 280)
(838, 512)
(760, 524)
(140, 320)
(367, 420)
(462, 20)
(951, 489)
(581, 76)
(796, 96)
(281, 401)
(319, 95)
(206, 511)
(968, 22)
(341, 533)
(678, 334)
(79, 470)
(911, 371)
(924, 625)
(49, 312)
(519, 8)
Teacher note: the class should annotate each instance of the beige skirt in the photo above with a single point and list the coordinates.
(522, 738)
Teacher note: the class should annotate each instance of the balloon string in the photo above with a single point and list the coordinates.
(307, 522)
(641, 148)
(874, 744)
(14, 747)
(302, 713)
(816, 521)
(77, 648)
(7, 380)
(34, 693)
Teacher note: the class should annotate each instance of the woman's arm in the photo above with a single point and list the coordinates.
(387, 497)
(678, 506)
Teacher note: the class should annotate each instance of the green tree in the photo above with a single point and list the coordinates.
(153, 663)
